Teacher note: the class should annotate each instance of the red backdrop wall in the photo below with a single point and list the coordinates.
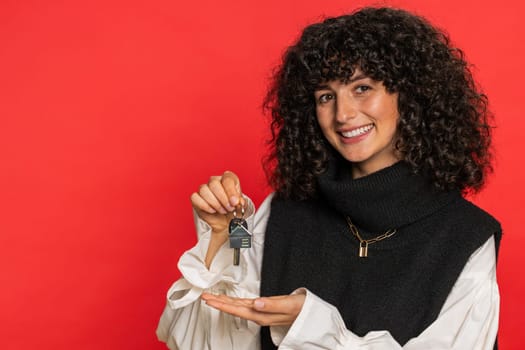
(113, 112)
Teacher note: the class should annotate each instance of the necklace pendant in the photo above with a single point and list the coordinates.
(363, 249)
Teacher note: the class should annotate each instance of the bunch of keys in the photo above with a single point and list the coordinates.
(239, 235)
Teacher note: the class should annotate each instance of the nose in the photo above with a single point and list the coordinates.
(346, 109)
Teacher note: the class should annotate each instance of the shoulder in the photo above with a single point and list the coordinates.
(291, 206)
(470, 215)
(472, 225)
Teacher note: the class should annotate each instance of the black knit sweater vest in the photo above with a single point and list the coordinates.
(403, 283)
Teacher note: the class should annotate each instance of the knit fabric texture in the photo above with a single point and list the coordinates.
(403, 283)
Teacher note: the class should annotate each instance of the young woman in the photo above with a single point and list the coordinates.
(367, 242)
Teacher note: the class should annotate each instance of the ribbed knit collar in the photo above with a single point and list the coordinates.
(387, 199)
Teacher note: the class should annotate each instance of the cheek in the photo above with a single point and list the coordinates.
(394, 108)
(325, 126)
(390, 124)
(322, 120)
(388, 114)
(383, 106)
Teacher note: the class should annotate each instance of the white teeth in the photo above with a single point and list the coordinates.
(358, 131)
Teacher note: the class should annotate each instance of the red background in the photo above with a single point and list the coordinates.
(113, 112)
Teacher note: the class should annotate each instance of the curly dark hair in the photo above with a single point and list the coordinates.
(443, 132)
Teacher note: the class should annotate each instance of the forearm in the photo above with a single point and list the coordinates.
(208, 267)
(217, 240)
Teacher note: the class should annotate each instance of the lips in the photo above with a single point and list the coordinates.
(357, 131)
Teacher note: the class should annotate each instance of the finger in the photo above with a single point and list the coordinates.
(216, 187)
(289, 304)
(277, 297)
(199, 203)
(209, 197)
(244, 307)
(232, 186)
(239, 310)
(248, 313)
(244, 311)
(226, 299)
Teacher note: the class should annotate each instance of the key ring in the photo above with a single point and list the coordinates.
(242, 212)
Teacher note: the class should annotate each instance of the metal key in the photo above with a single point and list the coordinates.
(239, 236)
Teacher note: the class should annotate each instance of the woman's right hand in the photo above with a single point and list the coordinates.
(216, 200)
(215, 203)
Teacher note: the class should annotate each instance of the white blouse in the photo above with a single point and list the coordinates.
(468, 319)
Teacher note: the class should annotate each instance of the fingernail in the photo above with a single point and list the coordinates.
(234, 200)
(222, 211)
(259, 304)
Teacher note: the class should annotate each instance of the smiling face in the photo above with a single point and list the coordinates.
(359, 119)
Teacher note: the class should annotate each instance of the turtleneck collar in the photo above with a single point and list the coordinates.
(387, 199)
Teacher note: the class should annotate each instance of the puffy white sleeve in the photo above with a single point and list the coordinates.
(187, 322)
(468, 319)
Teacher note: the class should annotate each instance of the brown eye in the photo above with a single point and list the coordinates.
(324, 98)
(362, 89)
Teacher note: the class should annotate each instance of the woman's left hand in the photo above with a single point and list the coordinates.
(278, 310)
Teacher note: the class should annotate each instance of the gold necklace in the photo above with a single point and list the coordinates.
(363, 243)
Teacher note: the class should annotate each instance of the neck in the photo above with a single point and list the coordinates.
(386, 199)
(381, 161)
(361, 170)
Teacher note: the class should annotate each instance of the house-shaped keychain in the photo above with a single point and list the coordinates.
(239, 237)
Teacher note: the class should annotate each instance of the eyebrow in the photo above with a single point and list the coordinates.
(360, 76)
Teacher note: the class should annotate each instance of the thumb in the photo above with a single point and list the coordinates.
(232, 187)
